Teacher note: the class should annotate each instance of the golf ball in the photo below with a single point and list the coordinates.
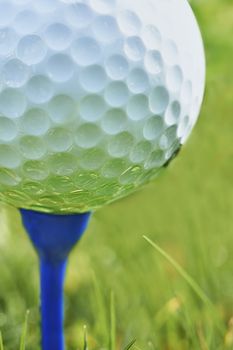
(96, 97)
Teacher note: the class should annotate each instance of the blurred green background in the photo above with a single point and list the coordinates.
(187, 212)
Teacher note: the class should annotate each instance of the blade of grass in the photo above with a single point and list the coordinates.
(1, 342)
(112, 323)
(190, 281)
(102, 327)
(24, 333)
(85, 345)
(130, 345)
(195, 287)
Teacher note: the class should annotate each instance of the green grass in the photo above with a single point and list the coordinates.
(23, 336)
(187, 213)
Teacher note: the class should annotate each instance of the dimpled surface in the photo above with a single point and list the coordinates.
(96, 97)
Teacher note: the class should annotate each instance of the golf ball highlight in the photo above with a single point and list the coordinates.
(96, 97)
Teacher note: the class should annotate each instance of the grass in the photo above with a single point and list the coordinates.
(189, 280)
(24, 333)
(23, 336)
(187, 213)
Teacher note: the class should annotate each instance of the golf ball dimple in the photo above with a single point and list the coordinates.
(96, 97)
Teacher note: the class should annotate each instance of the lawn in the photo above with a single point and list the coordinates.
(187, 212)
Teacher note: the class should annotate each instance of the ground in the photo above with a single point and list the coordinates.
(187, 212)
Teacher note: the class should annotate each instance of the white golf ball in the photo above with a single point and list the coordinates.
(96, 97)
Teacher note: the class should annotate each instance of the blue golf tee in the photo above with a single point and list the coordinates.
(53, 237)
